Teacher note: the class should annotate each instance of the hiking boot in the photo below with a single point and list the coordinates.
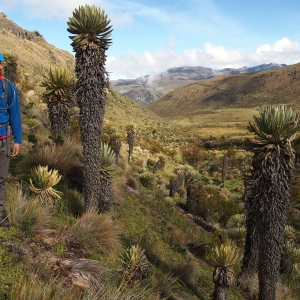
(4, 223)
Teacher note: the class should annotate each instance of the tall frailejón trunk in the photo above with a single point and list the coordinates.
(106, 203)
(272, 164)
(250, 261)
(11, 72)
(130, 139)
(91, 99)
(176, 183)
(272, 175)
(59, 116)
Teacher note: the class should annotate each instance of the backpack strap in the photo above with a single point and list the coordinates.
(5, 89)
(5, 83)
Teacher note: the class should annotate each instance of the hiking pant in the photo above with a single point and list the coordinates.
(4, 165)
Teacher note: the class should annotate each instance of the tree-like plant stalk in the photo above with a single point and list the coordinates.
(273, 164)
(90, 26)
(59, 83)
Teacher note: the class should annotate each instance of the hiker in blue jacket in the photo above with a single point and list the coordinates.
(10, 125)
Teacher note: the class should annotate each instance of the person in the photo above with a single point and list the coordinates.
(10, 125)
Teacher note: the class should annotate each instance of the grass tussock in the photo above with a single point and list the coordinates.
(163, 285)
(23, 211)
(96, 231)
(29, 286)
(65, 158)
(74, 201)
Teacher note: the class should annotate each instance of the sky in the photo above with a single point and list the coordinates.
(151, 36)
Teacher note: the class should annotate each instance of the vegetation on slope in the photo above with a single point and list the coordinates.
(153, 244)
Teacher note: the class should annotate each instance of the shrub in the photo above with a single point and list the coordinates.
(147, 179)
(150, 163)
(131, 182)
(152, 144)
(238, 220)
(140, 163)
(207, 203)
(193, 154)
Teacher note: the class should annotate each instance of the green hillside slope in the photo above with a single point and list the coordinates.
(250, 90)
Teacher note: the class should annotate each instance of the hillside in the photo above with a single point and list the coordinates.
(36, 56)
(148, 89)
(158, 241)
(280, 86)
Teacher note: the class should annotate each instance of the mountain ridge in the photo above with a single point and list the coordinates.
(147, 89)
(249, 90)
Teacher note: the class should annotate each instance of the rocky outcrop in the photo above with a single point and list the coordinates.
(6, 24)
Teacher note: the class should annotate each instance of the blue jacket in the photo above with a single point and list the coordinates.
(12, 114)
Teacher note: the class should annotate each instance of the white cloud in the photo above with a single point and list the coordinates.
(133, 64)
(62, 9)
(283, 51)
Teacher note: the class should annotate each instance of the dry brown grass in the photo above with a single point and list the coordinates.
(64, 158)
(35, 56)
(94, 231)
(22, 211)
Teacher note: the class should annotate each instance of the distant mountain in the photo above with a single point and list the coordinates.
(248, 90)
(146, 90)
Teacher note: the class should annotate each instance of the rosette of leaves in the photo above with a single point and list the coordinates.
(58, 82)
(10, 57)
(10, 67)
(136, 263)
(223, 258)
(107, 159)
(290, 233)
(90, 24)
(42, 182)
(275, 124)
(237, 220)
